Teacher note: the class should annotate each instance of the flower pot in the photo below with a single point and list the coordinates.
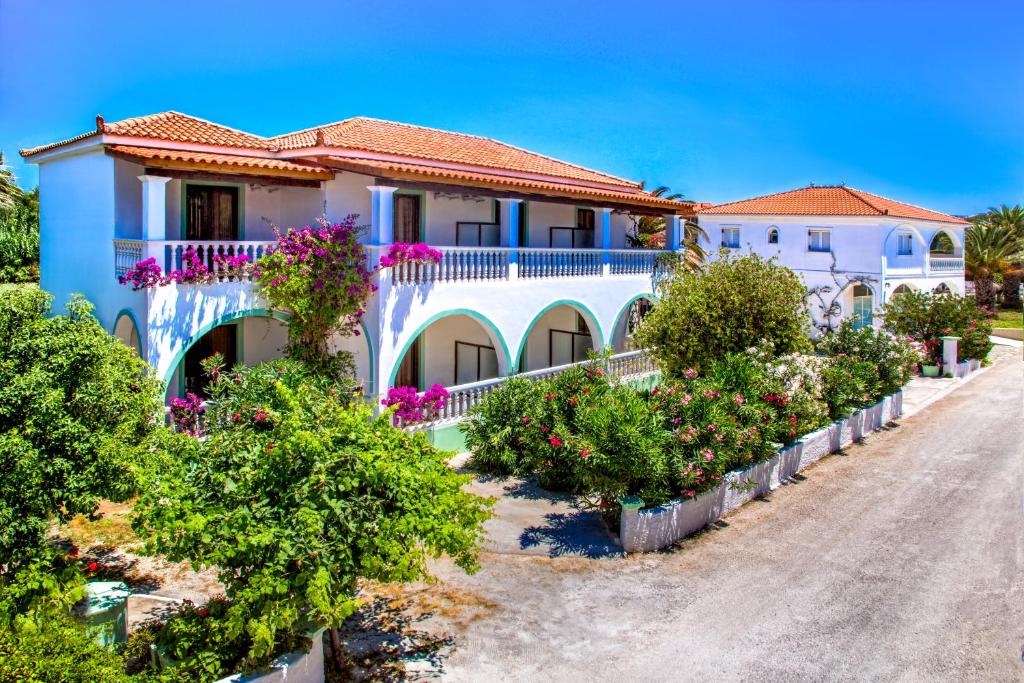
(929, 370)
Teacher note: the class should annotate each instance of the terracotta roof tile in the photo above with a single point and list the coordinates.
(402, 139)
(502, 182)
(829, 200)
(150, 154)
(177, 127)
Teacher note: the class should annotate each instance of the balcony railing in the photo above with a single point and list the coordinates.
(463, 397)
(457, 264)
(945, 264)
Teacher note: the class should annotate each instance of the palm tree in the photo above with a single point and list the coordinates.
(1010, 216)
(649, 231)
(989, 248)
(10, 193)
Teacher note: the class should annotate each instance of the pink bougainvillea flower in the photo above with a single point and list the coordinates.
(555, 441)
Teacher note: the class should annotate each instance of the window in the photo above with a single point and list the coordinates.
(773, 236)
(862, 316)
(477, 234)
(566, 347)
(731, 238)
(211, 212)
(819, 240)
(581, 236)
(474, 362)
(905, 244)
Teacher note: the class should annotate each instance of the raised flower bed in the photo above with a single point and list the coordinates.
(661, 526)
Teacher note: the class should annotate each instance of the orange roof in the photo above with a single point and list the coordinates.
(402, 139)
(180, 159)
(413, 150)
(404, 171)
(827, 200)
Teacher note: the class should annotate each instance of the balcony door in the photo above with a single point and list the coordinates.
(211, 213)
(579, 236)
(222, 339)
(862, 315)
(407, 218)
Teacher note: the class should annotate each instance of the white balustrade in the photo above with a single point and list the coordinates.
(463, 397)
(945, 264)
(126, 254)
(634, 261)
(457, 264)
(556, 263)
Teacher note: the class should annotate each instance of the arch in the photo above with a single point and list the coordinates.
(904, 227)
(904, 288)
(126, 313)
(226, 318)
(958, 246)
(943, 288)
(772, 230)
(595, 327)
(653, 298)
(485, 322)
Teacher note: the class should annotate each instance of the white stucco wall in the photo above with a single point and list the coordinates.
(263, 339)
(347, 194)
(437, 347)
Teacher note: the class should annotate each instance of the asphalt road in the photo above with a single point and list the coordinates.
(902, 559)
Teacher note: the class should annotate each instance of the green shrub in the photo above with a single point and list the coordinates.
(727, 306)
(19, 239)
(494, 427)
(294, 495)
(56, 649)
(848, 383)
(76, 405)
(927, 317)
(894, 358)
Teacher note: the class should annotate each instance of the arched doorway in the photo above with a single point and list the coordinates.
(243, 340)
(901, 290)
(942, 288)
(564, 332)
(127, 331)
(452, 349)
(942, 245)
(628, 321)
(863, 303)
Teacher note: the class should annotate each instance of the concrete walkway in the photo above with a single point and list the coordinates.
(902, 559)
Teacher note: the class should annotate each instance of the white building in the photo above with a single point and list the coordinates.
(854, 249)
(536, 268)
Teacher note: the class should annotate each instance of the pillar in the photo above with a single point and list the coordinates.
(673, 232)
(949, 351)
(382, 209)
(154, 216)
(603, 233)
(509, 217)
(629, 524)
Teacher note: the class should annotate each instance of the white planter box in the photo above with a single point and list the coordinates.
(294, 667)
(656, 528)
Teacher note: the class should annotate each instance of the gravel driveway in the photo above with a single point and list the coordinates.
(898, 560)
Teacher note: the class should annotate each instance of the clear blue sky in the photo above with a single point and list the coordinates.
(919, 100)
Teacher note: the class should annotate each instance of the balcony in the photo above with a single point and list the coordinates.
(458, 264)
(945, 264)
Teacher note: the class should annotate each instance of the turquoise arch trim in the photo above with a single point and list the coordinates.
(479, 317)
(138, 330)
(622, 311)
(597, 334)
(256, 313)
(226, 318)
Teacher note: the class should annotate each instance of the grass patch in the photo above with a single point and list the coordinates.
(111, 527)
(1008, 318)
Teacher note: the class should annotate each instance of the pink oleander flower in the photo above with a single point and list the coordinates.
(690, 373)
(738, 399)
(708, 454)
(555, 441)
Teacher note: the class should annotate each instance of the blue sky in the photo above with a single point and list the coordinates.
(920, 101)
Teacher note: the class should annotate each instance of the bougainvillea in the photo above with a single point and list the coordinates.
(416, 252)
(320, 275)
(185, 413)
(411, 406)
(147, 274)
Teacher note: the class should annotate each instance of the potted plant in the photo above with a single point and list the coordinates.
(931, 358)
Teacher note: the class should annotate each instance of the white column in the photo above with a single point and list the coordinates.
(508, 214)
(949, 353)
(154, 207)
(382, 203)
(673, 232)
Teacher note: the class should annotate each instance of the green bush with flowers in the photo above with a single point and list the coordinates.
(893, 358)
(294, 494)
(926, 317)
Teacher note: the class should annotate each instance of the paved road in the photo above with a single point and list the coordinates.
(901, 560)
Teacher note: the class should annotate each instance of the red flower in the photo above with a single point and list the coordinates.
(93, 566)
(525, 420)
(203, 613)
(584, 452)
(549, 397)
(555, 441)
(586, 390)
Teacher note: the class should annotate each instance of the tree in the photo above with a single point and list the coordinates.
(10, 193)
(296, 492)
(989, 248)
(75, 405)
(1010, 216)
(727, 306)
(925, 317)
(649, 231)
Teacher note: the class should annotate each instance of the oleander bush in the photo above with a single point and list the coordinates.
(894, 358)
(926, 317)
(494, 430)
